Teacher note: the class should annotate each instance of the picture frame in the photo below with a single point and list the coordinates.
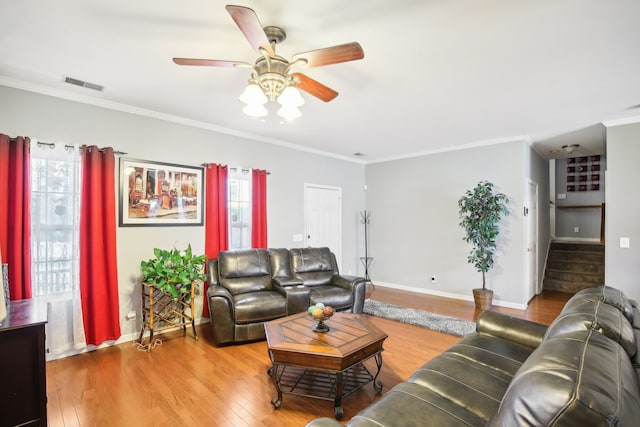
(160, 194)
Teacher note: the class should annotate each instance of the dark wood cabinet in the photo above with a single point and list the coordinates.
(23, 385)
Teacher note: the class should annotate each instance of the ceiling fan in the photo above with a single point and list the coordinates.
(272, 78)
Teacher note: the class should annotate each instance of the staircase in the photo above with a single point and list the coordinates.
(574, 266)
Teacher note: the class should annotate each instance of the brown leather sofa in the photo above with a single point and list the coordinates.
(250, 287)
(583, 370)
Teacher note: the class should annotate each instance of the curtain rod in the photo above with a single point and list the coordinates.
(52, 145)
(206, 165)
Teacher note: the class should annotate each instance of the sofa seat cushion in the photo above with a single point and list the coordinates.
(474, 373)
(335, 296)
(578, 379)
(251, 307)
(409, 405)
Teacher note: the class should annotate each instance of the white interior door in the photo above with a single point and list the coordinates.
(531, 221)
(323, 218)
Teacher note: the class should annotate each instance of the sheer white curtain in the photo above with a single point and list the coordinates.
(55, 224)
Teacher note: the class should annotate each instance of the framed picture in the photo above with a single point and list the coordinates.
(160, 194)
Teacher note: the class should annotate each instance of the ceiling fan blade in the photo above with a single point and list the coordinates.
(314, 87)
(248, 22)
(210, 62)
(330, 55)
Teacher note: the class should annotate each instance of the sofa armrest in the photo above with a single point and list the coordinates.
(521, 331)
(221, 314)
(296, 293)
(357, 286)
(346, 282)
(324, 422)
(286, 281)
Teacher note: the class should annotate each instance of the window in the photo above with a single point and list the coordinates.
(239, 190)
(55, 212)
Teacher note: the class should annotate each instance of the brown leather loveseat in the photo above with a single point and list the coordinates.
(581, 371)
(250, 287)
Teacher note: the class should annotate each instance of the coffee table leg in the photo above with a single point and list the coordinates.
(377, 386)
(276, 401)
(337, 403)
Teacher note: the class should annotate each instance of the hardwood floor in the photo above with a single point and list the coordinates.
(185, 382)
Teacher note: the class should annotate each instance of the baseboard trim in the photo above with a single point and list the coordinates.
(576, 239)
(499, 303)
(131, 337)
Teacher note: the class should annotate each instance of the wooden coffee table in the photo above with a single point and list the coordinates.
(327, 366)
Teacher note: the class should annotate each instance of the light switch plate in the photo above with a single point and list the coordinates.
(625, 242)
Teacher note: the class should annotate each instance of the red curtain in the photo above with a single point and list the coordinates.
(15, 213)
(216, 234)
(98, 263)
(259, 208)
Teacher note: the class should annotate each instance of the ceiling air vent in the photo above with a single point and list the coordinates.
(82, 83)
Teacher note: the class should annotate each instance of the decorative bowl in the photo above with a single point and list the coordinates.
(320, 313)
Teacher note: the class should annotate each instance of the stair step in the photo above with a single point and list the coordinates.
(558, 285)
(578, 247)
(577, 256)
(572, 266)
(593, 279)
(576, 266)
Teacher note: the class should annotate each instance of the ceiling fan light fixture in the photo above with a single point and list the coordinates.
(289, 112)
(255, 110)
(271, 79)
(290, 97)
(570, 148)
(253, 95)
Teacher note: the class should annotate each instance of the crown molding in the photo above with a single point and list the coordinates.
(103, 103)
(484, 143)
(622, 121)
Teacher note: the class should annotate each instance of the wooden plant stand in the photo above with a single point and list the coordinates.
(161, 311)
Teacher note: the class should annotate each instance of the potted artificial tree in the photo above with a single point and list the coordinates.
(481, 210)
(168, 290)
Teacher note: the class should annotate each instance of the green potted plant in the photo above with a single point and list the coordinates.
(481, 210)
(168, 290)
(173, 271)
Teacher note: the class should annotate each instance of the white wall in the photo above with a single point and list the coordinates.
(414, 232)
(622, 266)
(55, 120)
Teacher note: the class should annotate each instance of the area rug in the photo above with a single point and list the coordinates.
(425, 319)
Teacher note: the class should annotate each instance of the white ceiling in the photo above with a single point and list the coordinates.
(436, 74)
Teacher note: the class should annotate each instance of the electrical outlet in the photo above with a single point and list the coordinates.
(576, 229)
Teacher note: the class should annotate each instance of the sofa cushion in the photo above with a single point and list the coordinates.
(246, 270)
(474, 373)
(585, 314)
(335, 296)
(576, 379)
(314, 266)
(252, 307)
(280, 262)
(608, 295)
(410, 405)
